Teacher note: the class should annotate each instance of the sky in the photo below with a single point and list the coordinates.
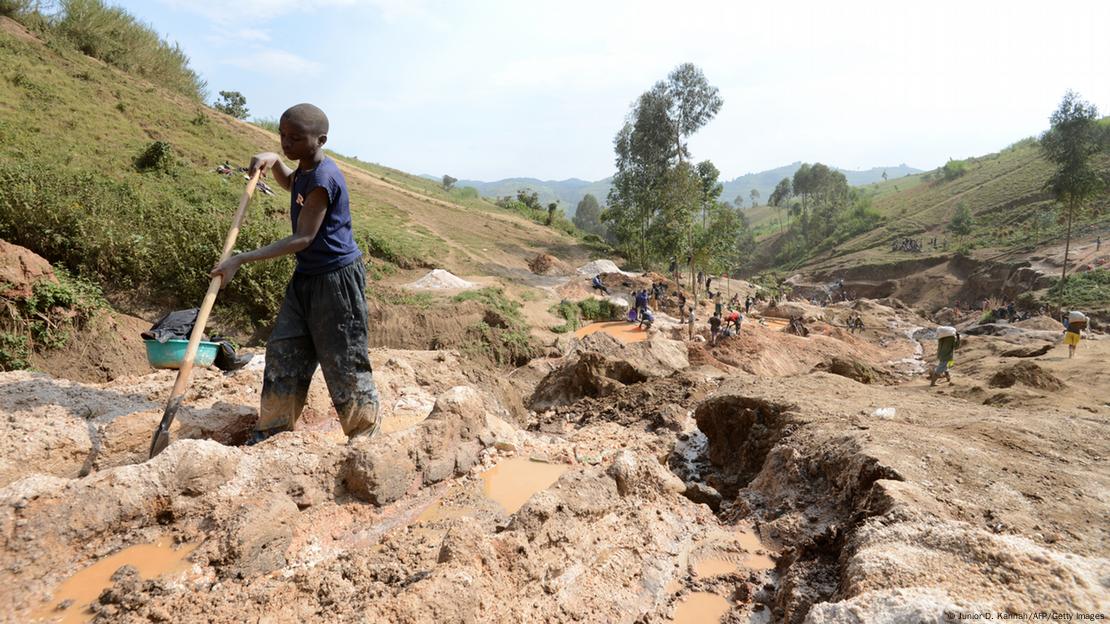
(495, 89)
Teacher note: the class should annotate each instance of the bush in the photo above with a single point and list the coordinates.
(158, 156)
(954, 169)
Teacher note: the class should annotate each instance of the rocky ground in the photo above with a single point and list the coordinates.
(771, 477)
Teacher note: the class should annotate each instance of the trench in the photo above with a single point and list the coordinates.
(751, 452)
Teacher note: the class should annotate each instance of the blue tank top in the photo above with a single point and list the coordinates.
(334, 246)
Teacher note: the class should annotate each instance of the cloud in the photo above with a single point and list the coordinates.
(276, 62)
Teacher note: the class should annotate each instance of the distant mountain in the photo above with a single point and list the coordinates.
(567, 193)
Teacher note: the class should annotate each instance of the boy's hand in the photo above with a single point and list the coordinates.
(226, 270)
(262, 162)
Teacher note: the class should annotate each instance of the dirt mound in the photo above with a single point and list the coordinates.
(439, 279)
(107, 347)
(654, 404)
(547, 264)
(20, 269)
(591, 269)
(1046, 323)
(1027, 373)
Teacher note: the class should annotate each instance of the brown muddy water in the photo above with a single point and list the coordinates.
(700, 608)
(81, 589)
(513, 481)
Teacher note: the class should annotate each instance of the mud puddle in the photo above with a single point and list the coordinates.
(513, 481)
(621, 330)
(700, 608)
(80, 590)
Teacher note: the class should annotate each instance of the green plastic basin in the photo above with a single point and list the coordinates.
(169, 354)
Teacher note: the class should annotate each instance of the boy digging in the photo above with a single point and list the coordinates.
(323, 316)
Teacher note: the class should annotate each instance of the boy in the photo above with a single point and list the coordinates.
(948, 340)
(714, 329)
(323, 317)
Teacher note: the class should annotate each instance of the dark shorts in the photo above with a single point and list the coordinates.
(322, 322)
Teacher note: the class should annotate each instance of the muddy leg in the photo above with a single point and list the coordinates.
(290, 364)
(338, 323)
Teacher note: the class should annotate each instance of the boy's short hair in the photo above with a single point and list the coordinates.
(309, 117)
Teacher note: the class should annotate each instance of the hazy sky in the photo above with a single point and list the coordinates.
(489, 90)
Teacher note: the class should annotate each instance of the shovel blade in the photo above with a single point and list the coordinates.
(161, 438)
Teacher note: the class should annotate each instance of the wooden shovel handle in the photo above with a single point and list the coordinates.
(186, 368)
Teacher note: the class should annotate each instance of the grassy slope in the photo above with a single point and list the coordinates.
(1003, 190)
(70, 115)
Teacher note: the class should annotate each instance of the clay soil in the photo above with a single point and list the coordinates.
(753, 484)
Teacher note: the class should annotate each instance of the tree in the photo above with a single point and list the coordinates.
(551, 208)
(693, 102)
(647, 147)
(755, 198)
(884, 176)
(232, 103)
(711, 188)
(587, 215)
(449, 182)
(1069, 143)
(962, 220)
(529, 198)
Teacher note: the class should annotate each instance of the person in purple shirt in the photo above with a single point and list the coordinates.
(322, 320)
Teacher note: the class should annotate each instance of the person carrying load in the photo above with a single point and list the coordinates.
(1074, 325)
(948, 340)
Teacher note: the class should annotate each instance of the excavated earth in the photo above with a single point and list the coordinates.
(768, 478)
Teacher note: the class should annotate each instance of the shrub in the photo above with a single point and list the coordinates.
(158, 156)
(1081, 290)
(954, 169)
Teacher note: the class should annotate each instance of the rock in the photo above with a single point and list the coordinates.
(377, 473)
(466, 456)
(647, 479)
(854, 369)
(20, 270)
(466, 543)
(259, 533)
(702, 493)
(1026, 352)
(201, 466)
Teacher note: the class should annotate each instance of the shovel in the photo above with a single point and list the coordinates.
(161, 437)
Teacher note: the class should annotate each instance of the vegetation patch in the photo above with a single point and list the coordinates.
(45, 320)
(576, 314)
(1087, 290)
(502, 335)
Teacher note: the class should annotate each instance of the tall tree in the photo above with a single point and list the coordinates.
(1070, 142)
(449, 182)
(755, 198)
(649, 145)
(693, 102)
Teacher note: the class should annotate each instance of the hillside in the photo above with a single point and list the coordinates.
(1004, 191)
(567, 193)
(113, 178)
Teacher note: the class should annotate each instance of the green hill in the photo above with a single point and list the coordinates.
(112, 176)
(1004, 192)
